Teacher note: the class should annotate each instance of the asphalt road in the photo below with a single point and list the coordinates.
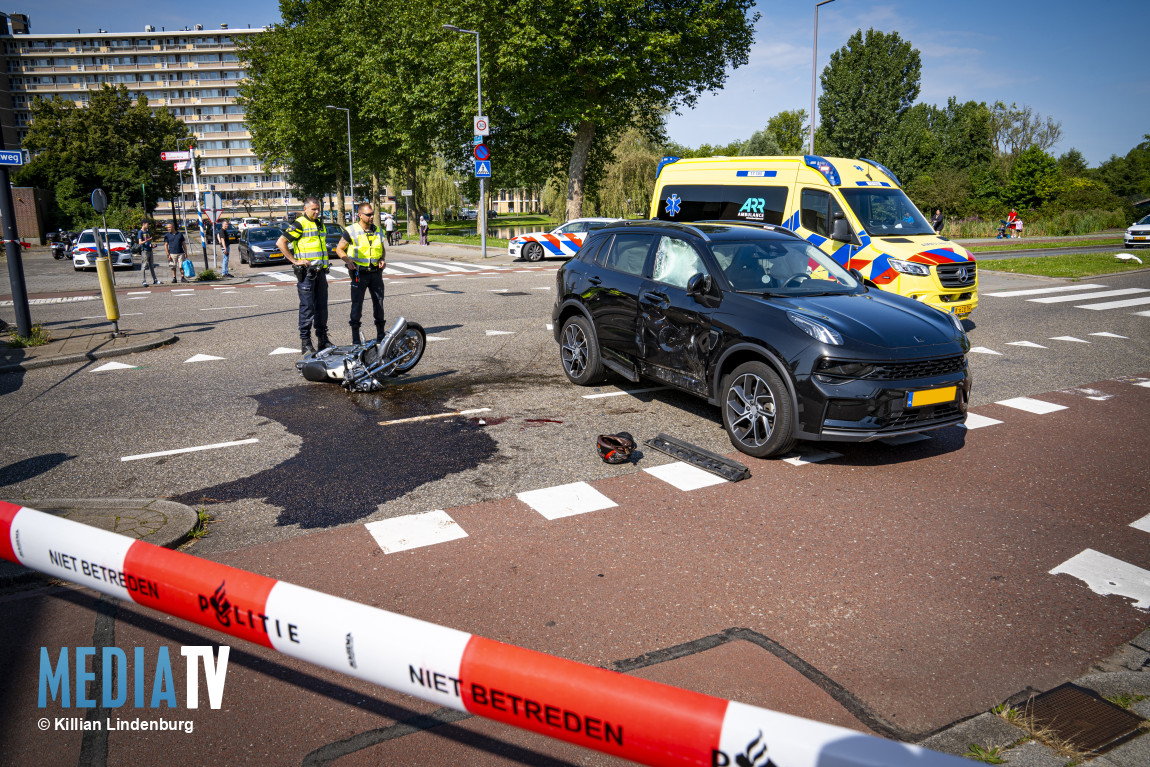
(1027, 252)
(915, 576)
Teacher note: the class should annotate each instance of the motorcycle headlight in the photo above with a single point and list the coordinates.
(906, 267)
(816, 330)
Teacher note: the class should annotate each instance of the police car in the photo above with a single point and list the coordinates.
(563, 241)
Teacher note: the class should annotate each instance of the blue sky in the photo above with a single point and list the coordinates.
(1081, 63)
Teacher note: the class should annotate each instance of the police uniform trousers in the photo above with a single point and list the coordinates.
(312, 291)
(369, 281)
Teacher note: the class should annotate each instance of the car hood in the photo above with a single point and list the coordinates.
(525, 237)
(270, 244)
(875, 318)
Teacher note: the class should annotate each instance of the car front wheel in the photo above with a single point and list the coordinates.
(579, 352)
(757, 410)
(533, 251)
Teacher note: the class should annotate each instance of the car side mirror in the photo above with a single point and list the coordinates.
(699, 285)
(840, 230)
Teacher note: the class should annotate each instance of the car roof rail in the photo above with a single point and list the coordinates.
(673, 224)
(760, 224)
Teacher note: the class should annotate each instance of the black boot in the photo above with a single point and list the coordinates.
(323, 341)
(355, 339)
(380, 332)
(305, 346)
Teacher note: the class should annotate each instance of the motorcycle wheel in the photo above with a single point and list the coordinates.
(414, 338)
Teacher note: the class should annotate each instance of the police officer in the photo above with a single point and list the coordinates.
(309, 263)
(362, 248)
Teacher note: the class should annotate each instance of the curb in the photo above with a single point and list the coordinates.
(67, 359)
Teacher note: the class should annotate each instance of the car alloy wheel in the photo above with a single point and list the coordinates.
(533, 251)
(580, 352)
(757, 411)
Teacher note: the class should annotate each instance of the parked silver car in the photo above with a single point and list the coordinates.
(1138, 234)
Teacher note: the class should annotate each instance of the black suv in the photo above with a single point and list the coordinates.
(763, 324)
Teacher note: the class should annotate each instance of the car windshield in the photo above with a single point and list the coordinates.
(781, 267)
(885, 211)
(110, 238)
(1143, 221)
(258, 235)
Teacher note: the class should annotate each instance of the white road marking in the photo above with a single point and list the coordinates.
(62, 300)
(566, 500)
(414, 530)
(1108, 335)
(284, 350)
(138, 292)
(1031, 405)
(1085, 296)
(621, 393)
(438, 338)
(976, 421)
(202, 358)
(1142, 524)
(1145, 384)
(436, 415)
(905, 439)
(684, 476)
(188, 450)
(1142, 314)
(1027, 344)
(984, 350)
(815, 456)
(413, 268)
(1105, 575)
(1115, 304)
(183, 290)
(547, 287)
(137, 298)
(113, 366)
(1068, 338)
(498, 290)
(500, 332)
(273, 290)
(221, 308)
(456, 267)
(1040, 291)
(340, 269)
(281, 276)
(549, 326)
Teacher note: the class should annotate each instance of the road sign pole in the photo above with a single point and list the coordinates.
(482, 220)
(15, 260)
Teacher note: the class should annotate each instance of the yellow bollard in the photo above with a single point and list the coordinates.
(104, 272)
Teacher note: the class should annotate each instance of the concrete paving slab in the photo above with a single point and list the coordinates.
(986, 730)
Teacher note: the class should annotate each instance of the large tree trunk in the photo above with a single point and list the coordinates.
(375, 196)
(341, 202)
(413, 213)
(578, 169)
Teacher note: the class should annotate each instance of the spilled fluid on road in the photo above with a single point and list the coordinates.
(347, 463)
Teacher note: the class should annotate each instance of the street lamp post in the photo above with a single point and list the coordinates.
(479, 89)
(350, 176)
(814, 70)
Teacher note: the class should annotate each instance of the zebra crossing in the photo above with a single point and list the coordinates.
(1080, 295)
(400, 269)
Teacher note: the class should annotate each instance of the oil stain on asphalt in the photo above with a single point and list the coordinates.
(347, 464)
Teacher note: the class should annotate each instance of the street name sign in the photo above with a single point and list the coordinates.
(12, 157)
(184, 155)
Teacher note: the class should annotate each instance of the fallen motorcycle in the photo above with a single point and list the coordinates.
(59, 250)
(366, 367)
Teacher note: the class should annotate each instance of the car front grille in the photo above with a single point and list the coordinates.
(899, 371)
(917, 416)
(957, 275)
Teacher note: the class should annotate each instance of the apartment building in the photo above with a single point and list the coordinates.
(194, 72)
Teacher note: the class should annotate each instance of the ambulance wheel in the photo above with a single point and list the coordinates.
(533, 251)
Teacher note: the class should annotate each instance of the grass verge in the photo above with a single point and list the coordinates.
(1067, 265)
(1009, 245)
(37, 336)
(471, 239)
(201, 527)
(207, 275)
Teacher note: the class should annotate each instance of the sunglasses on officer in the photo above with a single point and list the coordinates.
(366, 213)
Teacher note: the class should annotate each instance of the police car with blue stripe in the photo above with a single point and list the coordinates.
(563, 241)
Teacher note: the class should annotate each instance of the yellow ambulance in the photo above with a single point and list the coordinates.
(854, 210)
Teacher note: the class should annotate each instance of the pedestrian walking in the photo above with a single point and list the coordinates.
(305, 236)
(222, 240)
(423, 230)
(936, 222)
(361, 248)
(389, 227)
(176, 246)
(144, 239)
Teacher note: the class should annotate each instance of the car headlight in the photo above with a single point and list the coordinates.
(954, 320)
(257, 249)
(838, 371)
(816, 330)
(906, 267)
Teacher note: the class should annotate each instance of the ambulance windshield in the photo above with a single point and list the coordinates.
(886, 212)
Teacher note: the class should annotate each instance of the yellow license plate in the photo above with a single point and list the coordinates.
(1138, 238)
(931, 396)
(962, 309)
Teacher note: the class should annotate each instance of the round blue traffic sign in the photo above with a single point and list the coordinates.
(481, 152)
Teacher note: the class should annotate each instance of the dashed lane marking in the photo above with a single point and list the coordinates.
(1105, 575)
(414, 419)
(499, 332)
(976, 421)
(1142, 524)
(544, 287)
(162, 453)
(1088, 296)
(61, 300)
(1116, 304)
(1108, 335)
(284, 350)
(621, 393)
(413, 531)
(1027, 344)
(566, 500)
(138, 292)
(183, 290)
(1142, 314)
(1069, 338)
(438, 338)
(984, 350)
(113, 366)
(221, 308)
(814, 456)
(137, 298)
(498, 290)
(1040, 291)
(1031, 405)
(202, 358)
(684, 476)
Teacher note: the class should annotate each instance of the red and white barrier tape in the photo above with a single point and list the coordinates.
(626, 716)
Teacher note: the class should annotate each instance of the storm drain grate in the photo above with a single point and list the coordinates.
(1082, 718)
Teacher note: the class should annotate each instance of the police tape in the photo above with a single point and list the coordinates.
(629, 717)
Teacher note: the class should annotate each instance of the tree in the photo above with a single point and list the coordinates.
(1017, 128)
(1033, 170)
(1129, 176)
(630, 178)
(761, 144)
(868, 85)
(791, 130)
(1072, 163)
(114, 143)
